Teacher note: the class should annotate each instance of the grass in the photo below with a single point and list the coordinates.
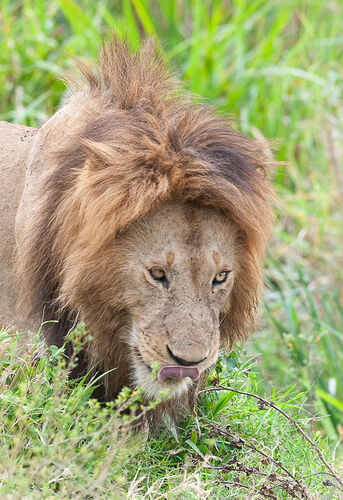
(277, 68)
(55, 441)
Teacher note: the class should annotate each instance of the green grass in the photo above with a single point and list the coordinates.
(277, 68)
(55, 441)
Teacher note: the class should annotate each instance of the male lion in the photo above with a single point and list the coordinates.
(139, 211)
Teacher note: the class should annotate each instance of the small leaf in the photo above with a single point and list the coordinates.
(195, 448)
(194, 437)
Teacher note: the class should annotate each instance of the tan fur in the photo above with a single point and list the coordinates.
(15, 141)
(129, 175)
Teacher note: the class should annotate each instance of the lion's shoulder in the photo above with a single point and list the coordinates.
(15, 141)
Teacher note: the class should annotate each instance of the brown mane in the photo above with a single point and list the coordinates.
(142, 142)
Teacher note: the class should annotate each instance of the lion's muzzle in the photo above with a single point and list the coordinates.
(178, 372)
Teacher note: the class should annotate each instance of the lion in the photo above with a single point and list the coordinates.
(138, 210)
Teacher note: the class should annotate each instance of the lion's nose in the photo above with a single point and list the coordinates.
(184, 362)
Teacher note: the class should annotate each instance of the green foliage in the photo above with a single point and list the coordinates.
(307, 324)
(56, 441)
(277, 68)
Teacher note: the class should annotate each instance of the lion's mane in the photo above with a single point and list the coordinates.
(141, 141)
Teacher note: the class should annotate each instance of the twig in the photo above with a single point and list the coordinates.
(234, 484)
(265, 402)
(241, 440)
(237, 441)
(15, 378)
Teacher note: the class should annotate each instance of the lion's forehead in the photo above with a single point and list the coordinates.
(183, 236)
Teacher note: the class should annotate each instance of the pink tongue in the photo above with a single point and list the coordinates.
(178, 372)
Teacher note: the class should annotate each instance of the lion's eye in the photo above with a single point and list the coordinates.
(220, 278)
(158, 274)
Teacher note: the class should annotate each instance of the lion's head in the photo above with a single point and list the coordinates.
(176, 271)
(150, 225)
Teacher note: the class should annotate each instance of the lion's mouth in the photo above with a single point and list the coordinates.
(178, 372)
(174, 372)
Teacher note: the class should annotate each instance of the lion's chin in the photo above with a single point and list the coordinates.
(142, 377)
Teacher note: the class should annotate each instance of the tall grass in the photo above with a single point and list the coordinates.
(56, 442)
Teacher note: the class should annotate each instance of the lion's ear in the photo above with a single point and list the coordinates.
(239, 320)
(98, 155)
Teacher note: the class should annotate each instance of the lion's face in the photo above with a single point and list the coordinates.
(178, 274)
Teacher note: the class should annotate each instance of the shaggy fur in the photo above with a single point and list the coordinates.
(139, 144)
